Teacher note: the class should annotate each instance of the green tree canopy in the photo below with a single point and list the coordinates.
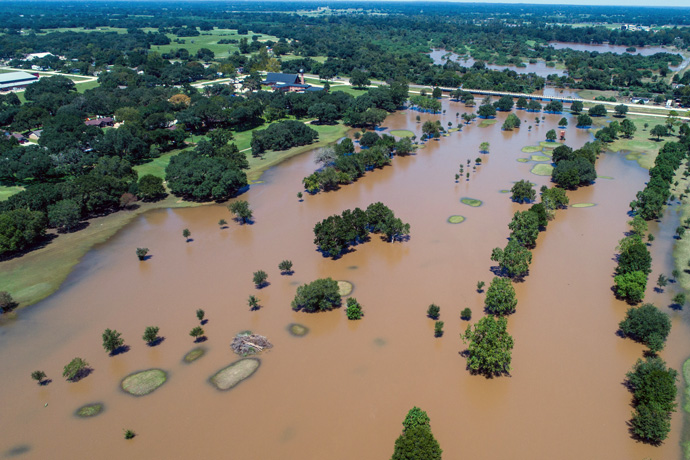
(319, 295)
(500, 297)
(490, 346)
(647, 324)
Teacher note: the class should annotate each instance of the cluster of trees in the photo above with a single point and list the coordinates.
(515, 258)
(341, 164)
(649, 202)
(425, 103)
(319, 295)
(214, 170)
(653, 386)
(282, 136)
(634, 264)
(575, 168)
(335, 234)
(609, 133)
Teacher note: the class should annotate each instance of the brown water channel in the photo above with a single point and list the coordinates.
(342, 391)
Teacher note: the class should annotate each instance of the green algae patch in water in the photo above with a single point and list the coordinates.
(504, 191)
(523, 160)
(456, 219)
(401, 133)
(542, 169)
(345, 288)
(582, 205)
(605, 177)
(471, 202)
(549, 145)
(194, 354)
(230, 376)
(540, 158)
(531, 149)
(488, 122)
(144, 382)
(297, 330)
(89, 410)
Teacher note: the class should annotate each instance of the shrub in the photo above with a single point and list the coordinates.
(480, 286)
(319, 295)
(112, 340)
(285, 266)
(151, 334)
(200, 314)
(354, 309)
(7, 303)
(438, 328)
(38, 376)
(260, 278)
(197, 332)
(433, 311)
(241, 210)
(129, 434)
(141, 253)
(466, 314)
(74, 369)
(151, 188)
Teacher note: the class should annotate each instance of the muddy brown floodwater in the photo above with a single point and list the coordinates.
(342, 391)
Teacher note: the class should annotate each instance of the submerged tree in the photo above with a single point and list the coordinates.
(151, 335)
(38, 376)
(75, 369)
(500, 297)
(260, 278)
(523, 191)
(112, 340)
(648, 325)
(354, 309)
(416, 441)
(241, 210)
(490, 346)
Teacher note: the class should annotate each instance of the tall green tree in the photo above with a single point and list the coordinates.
(489, 346)
(416, 441)
(500, 297)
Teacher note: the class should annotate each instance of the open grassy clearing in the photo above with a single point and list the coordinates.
(7, 191)
(210, 39)
(642, 146)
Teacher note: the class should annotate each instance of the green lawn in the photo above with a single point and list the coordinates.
(348, 89)
(210, 40)
(81, 87)
(7, 191)
(642, 146)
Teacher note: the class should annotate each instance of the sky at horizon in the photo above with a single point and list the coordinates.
(621, 3)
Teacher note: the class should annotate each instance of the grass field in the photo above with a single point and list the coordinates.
(210, 40)
(642, 146)
(7, 191)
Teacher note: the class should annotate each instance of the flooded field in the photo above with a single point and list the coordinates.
(540, 68)
(341, 391)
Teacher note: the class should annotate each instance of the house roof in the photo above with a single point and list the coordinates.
(284, 78)
(14, 77)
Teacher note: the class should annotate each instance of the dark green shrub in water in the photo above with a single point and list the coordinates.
(197, 332)
(648, 325)
(150, 334)
(466, 314)
(200, 314)
(679, 299)
(260, 278)
(285, 266)
(319, 295)
(433, 311)
(480, 286)
(112, 340)
(129, 434)
(438, 328)
(354, 309)
(38, 376)
(74, 368)
(141, 253)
